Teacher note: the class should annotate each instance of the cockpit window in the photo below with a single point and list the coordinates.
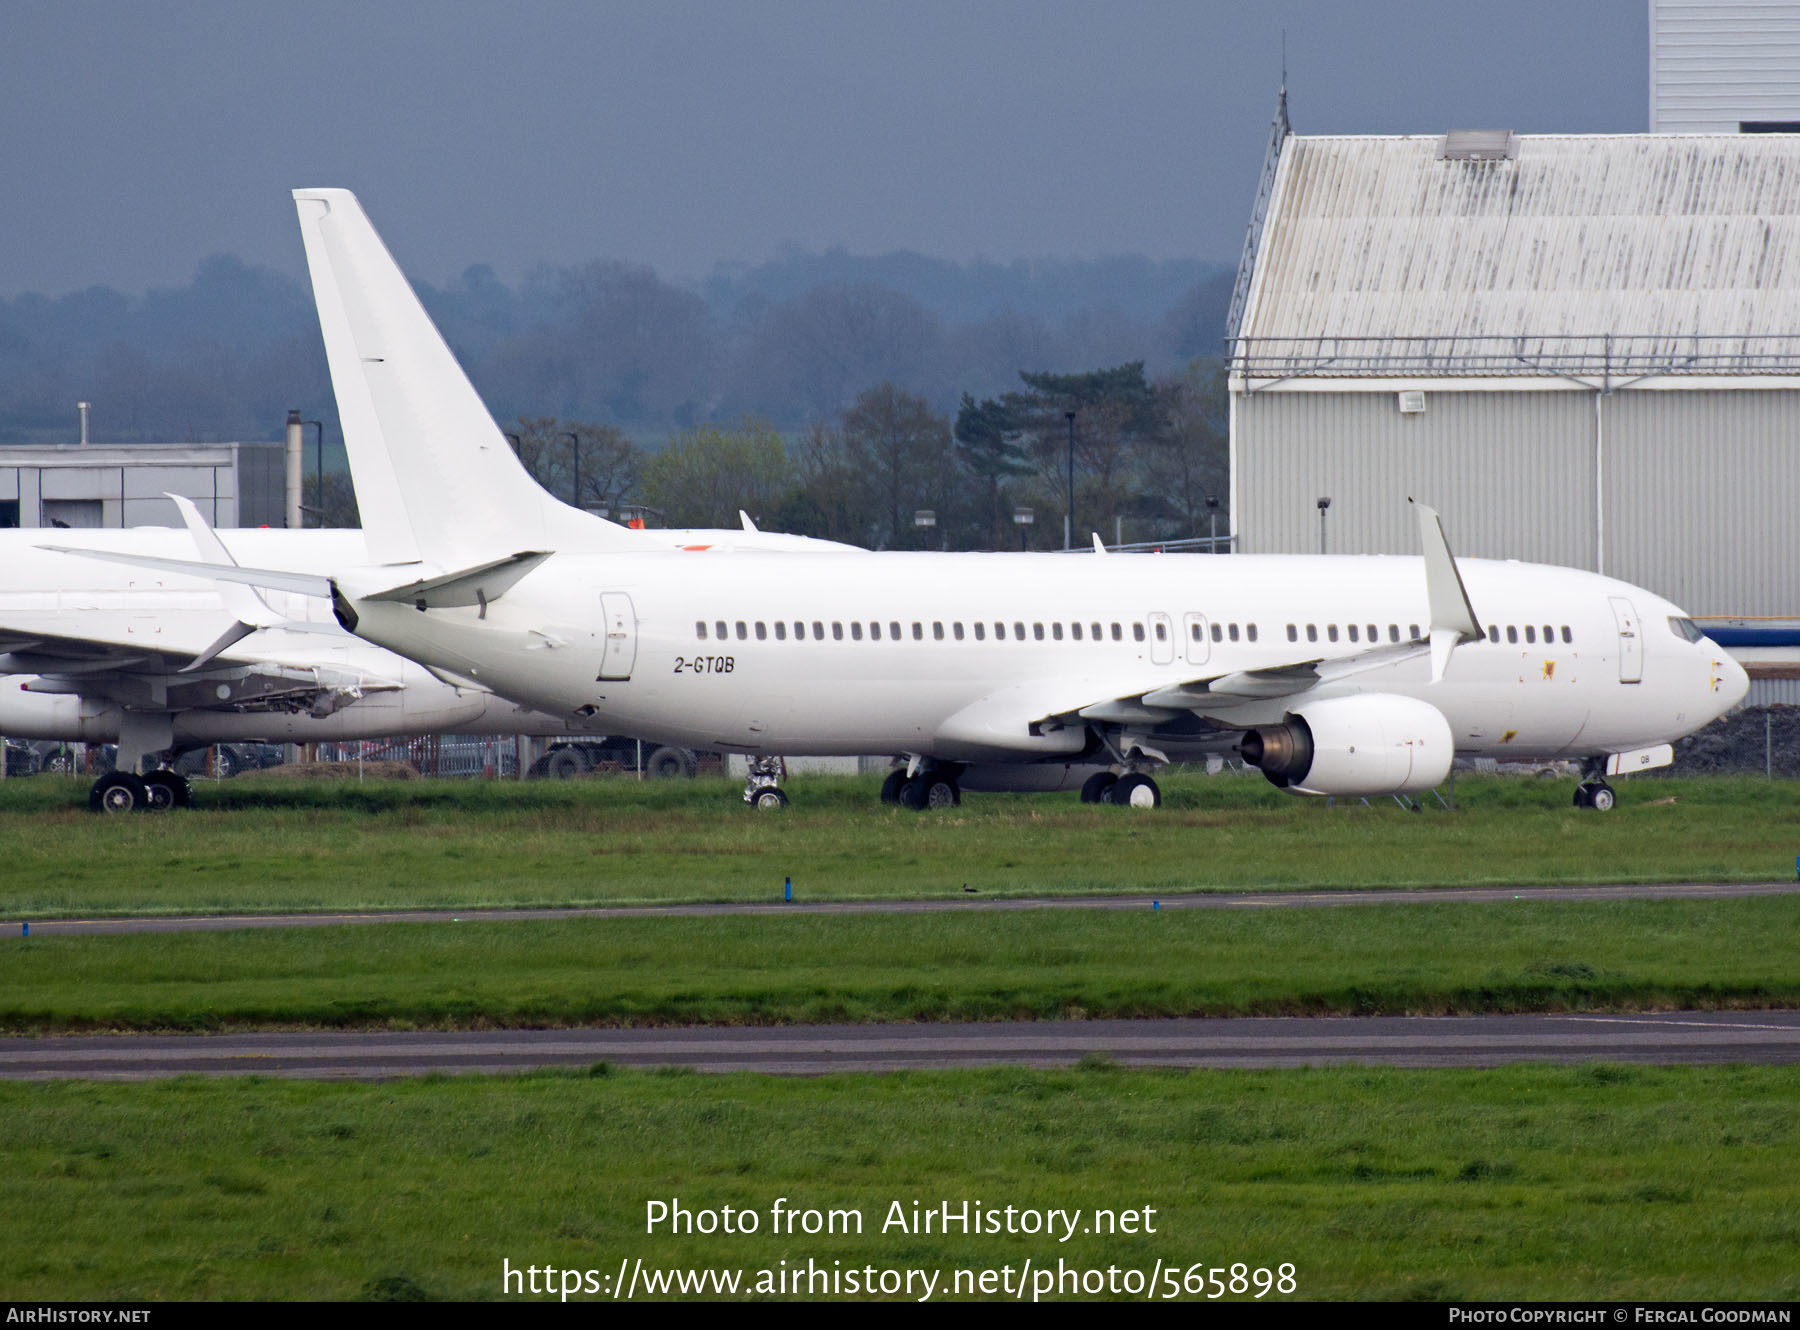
(1685, 628)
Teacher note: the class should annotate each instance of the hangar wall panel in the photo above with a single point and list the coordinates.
(1703, 498)
(1512, 473)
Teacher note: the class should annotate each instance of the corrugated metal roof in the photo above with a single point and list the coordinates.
(1634, 235)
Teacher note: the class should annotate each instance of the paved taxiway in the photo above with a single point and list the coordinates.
(1399, 1041)
(1242, 900)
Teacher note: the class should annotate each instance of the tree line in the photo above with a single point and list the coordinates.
(791, 342)
(891, 471)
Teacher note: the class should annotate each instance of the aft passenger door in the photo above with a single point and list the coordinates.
(621, 635)
(1631, 645)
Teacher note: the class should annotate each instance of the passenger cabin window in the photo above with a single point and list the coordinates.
(1512, 633)
(720, 625)
(1413, 628)
(894, 630)
(1493, 632)
(1331, 632)
(1116, 635)
(743, 630)
(1353, 632)
(1037, 631)
(837, 631)
(819, 631)
(1218, 634)
(855, 631)
(1018, 631)
(1075, 631)
(1530, 633)
(1293, 633)
(1056, 631)
(1232, 632)
(1137, 632)
(1549, 633)
(762, 631)
(1162, 631)
(937, 632)
(918, 631)
(1312, 632)
(980, 631)
(1096, 628)
(700, 629)
(1393, 632)
(956, 630)
(780, 630)
(1250, 631)
(1568, 638)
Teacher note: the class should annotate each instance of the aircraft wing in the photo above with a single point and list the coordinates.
(168, 661)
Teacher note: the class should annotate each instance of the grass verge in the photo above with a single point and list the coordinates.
(271, 846)
(1526, 1183)
(980, 965)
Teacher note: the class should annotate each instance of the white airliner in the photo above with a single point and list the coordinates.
(161, 662)
(1335, 675)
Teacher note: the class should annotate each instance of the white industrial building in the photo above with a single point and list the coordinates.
(1724, 66)
(116, 485)
(1583, 350)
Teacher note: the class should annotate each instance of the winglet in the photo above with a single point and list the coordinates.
(1452, 616)
(744, 517)
(1098, 547)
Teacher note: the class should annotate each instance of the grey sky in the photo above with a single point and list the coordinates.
(135, 139)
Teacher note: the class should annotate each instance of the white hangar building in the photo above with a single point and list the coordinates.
(1582, 350)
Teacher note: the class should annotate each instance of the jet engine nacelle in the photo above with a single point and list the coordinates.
(1368, 744)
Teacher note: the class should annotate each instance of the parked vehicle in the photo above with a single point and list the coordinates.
(577, 757)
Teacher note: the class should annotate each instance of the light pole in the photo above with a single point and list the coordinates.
(1324, 503)
(1069, 522)
(924, 519)
(1212, 524)
(1023, 518)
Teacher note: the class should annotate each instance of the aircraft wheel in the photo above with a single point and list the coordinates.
(941, 792)
(1601, 797)
(890, 788)
(119, 792)
(1135, 791)
(769, 800)
(912, 793)
(168, 789)
(1095, 787)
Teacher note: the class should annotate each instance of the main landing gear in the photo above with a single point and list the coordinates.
(1133, 789)
(922, 786)
(125, 792)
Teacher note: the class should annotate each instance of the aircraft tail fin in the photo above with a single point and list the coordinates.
(436, 482)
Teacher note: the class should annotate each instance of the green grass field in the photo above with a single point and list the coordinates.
(1522, 1183)
(1596, 1183)
(277, 845)
(978, 965)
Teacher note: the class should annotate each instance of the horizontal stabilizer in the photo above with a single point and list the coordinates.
(471, 586)
(271, 579)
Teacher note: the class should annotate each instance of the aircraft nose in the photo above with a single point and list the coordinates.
(1731, 683)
